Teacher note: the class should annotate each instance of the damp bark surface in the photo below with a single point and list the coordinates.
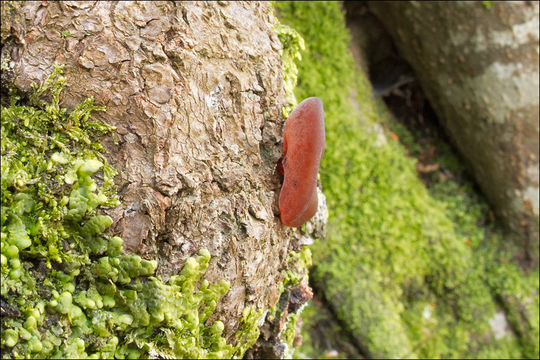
(195, 90)
(478, 66)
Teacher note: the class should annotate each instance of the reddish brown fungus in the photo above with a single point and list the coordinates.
(303, 147)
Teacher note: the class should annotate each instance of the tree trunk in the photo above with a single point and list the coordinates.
(195, 91)
(478, 65)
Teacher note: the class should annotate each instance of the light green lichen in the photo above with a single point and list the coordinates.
(487, 4)
(288, 334)
(67, 290)
(5, 63)
(292, 44)
(298, 264)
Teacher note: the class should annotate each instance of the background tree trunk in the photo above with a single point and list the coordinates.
(195, 91)
(478, 65)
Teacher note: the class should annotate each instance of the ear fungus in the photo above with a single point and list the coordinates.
(303, 147)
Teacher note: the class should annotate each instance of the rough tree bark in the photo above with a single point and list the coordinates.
(195, 91)
(479, 69)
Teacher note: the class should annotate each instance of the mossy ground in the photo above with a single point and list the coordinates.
(67, 290)
(409, 271)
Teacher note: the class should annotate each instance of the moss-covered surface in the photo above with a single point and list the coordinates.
(293, 45)
(299, 263)
(67, 290)
(488, 4)
(409, 271)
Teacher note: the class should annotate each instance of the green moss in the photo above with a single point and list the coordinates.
(298, 264)
(293, 44)
(288, 334)
(488, 4)
(4, 63)
(410, 272)
(69, 290)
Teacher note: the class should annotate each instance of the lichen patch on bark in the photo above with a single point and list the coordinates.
(195, 90)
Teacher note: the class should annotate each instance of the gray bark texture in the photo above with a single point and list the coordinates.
(195, 90)
(478, 65)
